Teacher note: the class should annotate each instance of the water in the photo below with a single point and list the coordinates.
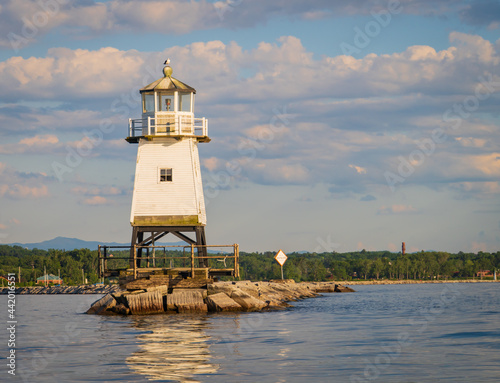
(397, 333)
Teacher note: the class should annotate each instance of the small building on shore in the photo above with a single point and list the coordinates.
(484, 274)
(49, 279)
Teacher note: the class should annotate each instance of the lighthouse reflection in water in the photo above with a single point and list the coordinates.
(172, 349)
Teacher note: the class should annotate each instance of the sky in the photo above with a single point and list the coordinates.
(335, 125)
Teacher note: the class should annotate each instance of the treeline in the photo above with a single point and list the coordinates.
(262, 266)
(368, 265)
(33, 263)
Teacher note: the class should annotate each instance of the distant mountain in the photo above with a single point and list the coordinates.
(64, 243)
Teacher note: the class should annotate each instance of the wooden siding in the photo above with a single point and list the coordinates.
(183, 197)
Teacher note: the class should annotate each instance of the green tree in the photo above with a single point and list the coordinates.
(365, 267)
(377, 267)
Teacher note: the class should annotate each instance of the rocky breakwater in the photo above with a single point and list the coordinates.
(210, 297)
(83, 289)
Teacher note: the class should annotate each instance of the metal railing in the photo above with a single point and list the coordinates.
(154, 258)
(168, 125)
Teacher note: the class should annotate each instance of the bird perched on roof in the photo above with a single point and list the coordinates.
(167, 61)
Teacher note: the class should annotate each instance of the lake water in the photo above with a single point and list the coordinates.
(396, 333)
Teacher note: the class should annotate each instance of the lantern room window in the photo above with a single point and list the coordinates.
(148, 102)
(166, 175)
(166, 103)
(185, 102)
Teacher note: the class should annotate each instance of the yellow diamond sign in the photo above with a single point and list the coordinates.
(281, 257)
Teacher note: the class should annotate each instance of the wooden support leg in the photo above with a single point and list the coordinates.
(140, 237)
(132, 243)
(202, 251)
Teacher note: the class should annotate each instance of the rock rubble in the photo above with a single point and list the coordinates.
(216, 297)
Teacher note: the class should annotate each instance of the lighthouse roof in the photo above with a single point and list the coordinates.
(167, 83)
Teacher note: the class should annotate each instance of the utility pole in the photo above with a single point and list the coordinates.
(83, 277)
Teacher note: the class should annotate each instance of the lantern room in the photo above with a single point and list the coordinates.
(167, 110)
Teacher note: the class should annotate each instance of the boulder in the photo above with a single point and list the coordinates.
(145, 283)
(246, 301)
(193, 283)
(220, 287)
(145, 303)
(322, 287)
(203, 292)
(186, 301)
(162, 289)
(121, 309)
(222, 302)
(251, 290)
(343, 289)
(269, 295)
(107, 302)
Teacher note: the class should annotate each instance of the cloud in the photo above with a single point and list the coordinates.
(358, 169)
(472, 142)
(19, 185)
(304, 199)
(276, 172)
(215, 68)
(455, 167)
(211, 163)
(96, 200)
(478, 190)
(485, 12)
(94, 195)
(71, 74)
(349, 117)
(39, 140)
(116, 75)
(23, 22)
(397, 209)
(20, 191)
(474, 47)
(33, 145)
(368, 198)
(98, 191)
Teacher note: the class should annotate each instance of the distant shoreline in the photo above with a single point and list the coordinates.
(91, 289)
(49, 290)
(415, 282)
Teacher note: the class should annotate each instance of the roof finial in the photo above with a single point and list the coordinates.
(167, 71)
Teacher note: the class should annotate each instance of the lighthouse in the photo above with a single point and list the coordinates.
(168, 193)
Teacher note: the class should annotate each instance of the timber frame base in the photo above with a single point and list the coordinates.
(154, 233)
(145, 257)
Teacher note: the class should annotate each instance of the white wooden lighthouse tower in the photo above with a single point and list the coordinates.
(168, 193)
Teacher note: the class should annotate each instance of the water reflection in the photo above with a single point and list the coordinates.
(172, 348)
